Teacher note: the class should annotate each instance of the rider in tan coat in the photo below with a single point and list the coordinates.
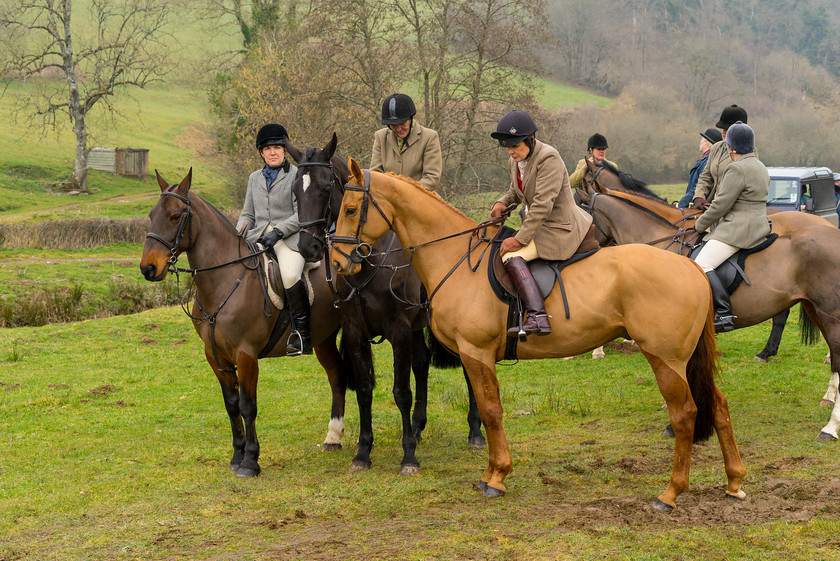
(554, 226)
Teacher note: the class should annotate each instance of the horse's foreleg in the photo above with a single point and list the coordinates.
(248, 373)
(482, 377)
(829, 432)
(328, 355)
(772, 346)
(735, 471)
(420, 358)
(230, 394)
(401, 341)
(474, 438)
(682, 412)
(360, 354)
(830, 397)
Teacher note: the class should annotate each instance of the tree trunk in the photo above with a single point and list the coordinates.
(76, 105)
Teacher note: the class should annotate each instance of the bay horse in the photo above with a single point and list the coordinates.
(382, 301)
(660, 300)
(799, 267)
(604, 177)
(232, 312)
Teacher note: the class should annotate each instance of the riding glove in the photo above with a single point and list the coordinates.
(271, 238)
(700, 203)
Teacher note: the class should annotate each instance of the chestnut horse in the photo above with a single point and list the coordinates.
(382, 301)
(799, 267)
(232, 312)
(660, 300)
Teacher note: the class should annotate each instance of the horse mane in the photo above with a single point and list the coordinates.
(631, 184)
(224, 218)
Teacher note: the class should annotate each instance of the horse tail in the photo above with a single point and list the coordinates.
(809, 331)
(701, 371)
(441, 356)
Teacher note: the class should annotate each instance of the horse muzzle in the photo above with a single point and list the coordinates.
(150, 272)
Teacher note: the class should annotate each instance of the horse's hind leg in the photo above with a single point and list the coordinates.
(329, 357)
(420, 358)
(401, 341)
(735, 471)
(248, 373)
(772, 346)
(230, 394)
(474, 438)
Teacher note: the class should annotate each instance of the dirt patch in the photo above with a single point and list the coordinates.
(102, 390)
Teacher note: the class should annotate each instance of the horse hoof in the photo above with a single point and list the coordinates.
(739, 496)
(759, 358)
(826, 403)
(825, 437)
(480, 486)
(245, 473)
(330, 447)
(668, 432)
(359, 466)
(409, 470)
(662, 507)
(233, 468)
(477, 441)
(492, 492)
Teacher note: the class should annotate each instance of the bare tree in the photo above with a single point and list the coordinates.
(119, 45)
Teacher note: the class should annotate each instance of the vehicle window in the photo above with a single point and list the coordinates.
(783, 191)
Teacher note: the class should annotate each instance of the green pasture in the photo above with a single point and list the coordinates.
(116, 445)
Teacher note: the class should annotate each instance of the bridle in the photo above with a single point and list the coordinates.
(182, 226)
(363, 250)
(334, 182)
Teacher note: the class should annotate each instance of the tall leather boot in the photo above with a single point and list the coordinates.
(724, 320)
(536, 319)
(300, 339)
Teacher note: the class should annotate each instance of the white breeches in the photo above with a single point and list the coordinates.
(291, 264)
(713, 254)
(528, 253)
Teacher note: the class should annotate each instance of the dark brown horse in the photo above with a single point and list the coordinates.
(232, 311)
(383, 300)
(659, 299)
(799, 267)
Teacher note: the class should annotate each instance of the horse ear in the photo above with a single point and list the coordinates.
(161, 182)
(292, 151)
(356, 172)
(184, 187)
(329, 149)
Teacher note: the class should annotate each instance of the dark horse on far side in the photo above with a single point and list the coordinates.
(384, 300)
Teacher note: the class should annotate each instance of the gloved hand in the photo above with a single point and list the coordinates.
(271, 238)
(700, 203)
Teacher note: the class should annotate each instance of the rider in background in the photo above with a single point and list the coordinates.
(708, 138)
(271, 219)
(718, 158)
(404, 146)
(597, 148)
(740, 206)
(554, 227)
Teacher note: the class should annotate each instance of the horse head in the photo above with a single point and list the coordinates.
(318, 188)
(357, 223)
(170, 220)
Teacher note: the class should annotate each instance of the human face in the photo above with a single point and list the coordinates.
(518, 151)
(401, 130)
(599, 154)
(273, 155)
(704, 145)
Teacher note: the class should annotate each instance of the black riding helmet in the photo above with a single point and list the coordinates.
(741, 138)
(397, 108)
(598, 141)
(271, 135)
(513, 128)
(731, 115)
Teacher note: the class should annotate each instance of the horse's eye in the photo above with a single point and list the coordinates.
(350, 211)
(175, 216)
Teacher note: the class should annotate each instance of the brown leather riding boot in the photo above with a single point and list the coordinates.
(536, 319)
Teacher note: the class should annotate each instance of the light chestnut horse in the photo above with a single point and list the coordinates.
(232, 312)
(799, 267)
(659, 299)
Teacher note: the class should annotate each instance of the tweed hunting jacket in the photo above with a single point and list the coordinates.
(554, 222)
(275, 207)
(715, 166)
(420, 157)
(740, 204)
(580, 172)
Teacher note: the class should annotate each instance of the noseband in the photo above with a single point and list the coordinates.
(182, 226)
(362, 249)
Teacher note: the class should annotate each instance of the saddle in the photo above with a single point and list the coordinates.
(545, 273)
(731, 272)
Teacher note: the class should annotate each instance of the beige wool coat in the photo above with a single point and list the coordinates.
(420, 157)
(715, 166)
(740, 204)
(554, 222)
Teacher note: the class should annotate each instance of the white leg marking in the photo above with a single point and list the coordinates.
(598, 353)
(335, 431)
(830, 396)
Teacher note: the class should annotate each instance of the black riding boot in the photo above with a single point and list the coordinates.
(724, 320)
(536, 319)
(300, 339)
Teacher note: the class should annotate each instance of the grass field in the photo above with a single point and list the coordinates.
(116, 446)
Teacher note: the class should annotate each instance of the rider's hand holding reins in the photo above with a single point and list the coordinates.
(271, 238)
